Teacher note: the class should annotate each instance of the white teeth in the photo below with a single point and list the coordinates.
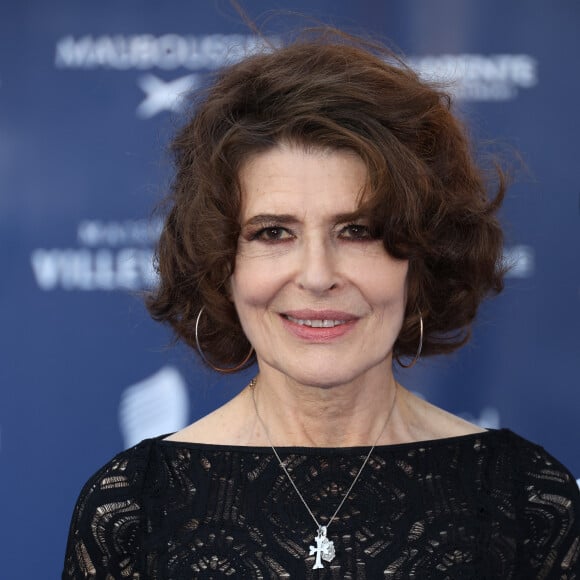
(317, 323)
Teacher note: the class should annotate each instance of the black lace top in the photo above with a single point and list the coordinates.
(483, 506)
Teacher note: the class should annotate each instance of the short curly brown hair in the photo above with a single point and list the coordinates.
(429, 198)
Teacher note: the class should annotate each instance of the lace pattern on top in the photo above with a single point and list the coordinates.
(485, 506)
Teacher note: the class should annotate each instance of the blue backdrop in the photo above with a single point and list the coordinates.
(89, 96)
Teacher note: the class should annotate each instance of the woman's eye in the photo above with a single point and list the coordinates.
(356, 232)
(273, 234)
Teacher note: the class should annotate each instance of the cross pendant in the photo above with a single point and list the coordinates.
(324, 548)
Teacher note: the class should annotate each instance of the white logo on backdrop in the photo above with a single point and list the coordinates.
(146, 51)
(480, 77)
(109, 256)
(164, 96)
(154, 406)
(166, 52)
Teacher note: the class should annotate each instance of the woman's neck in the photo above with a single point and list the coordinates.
(349, 415)
(293, 414)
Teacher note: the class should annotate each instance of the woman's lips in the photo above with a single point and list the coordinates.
(318, 325)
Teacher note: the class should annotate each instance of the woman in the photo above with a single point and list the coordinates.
(327, 220)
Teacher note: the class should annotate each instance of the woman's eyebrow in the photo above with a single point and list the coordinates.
(268, 218)
(287, 219)
(348, 217)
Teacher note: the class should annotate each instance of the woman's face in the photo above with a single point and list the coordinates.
(319, 299)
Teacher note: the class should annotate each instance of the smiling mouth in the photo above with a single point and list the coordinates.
(316, 323)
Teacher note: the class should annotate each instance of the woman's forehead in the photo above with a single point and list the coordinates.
(294, 177)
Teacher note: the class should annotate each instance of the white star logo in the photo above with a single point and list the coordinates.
(164, 96)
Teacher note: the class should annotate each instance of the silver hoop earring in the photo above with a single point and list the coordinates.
(416, 358)
(207, 361)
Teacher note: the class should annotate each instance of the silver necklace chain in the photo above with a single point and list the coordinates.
(324, 548)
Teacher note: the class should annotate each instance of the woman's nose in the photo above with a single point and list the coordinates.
(317, 268)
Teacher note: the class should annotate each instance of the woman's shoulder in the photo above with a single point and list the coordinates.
(518, 483)
(124, 472)
(107, 516)
(547, 507)
(506, 463)
(546, 485)
(531, 462)
(521, 459)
